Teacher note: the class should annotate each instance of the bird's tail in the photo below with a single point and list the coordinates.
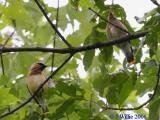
(42, 104)
(128, 53)
(130, 58)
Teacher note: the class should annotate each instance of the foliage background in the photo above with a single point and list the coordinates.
(76, 98)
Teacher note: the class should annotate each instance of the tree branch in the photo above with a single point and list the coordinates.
(1, 51)
(142, 105)
(40, 87)
(77, 49)
(55, 34)
(2, 63)
(52, 25)
(155, 2)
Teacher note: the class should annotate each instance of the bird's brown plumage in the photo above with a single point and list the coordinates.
(115, 33)
(34, 79)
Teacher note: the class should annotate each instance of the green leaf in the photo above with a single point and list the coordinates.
(75, 3)
(84, 114)
(106, 55)
(154, 110)
(33, 11)
(42, 35)
(148, 76)
(112, 95)
(100, 83)
(115, 86)
(85, 27)
(125, 91)
(67, 89)
(23, 20)
(136, 42)
(23, 61)
(3, 80)
(76, 38)
(8, 99)
(63, 108)
(152, 42)
(88, 57)
(101, 25)
(100, 4)
(149, 69)
(85, 3)
(153, 37)
(118, 78)
(119, 11)
(94, 37)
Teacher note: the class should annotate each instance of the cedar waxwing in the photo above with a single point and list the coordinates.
(115, 33)
(34, 79)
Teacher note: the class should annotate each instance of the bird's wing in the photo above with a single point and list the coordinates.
(34, 97)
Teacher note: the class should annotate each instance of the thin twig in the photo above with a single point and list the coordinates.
(40, 87)
(54, 39)
(67, 116)
(2, 63)
(2, 47)
(105, 20)
(9, 37)
(142, 105)
(112, 2)
(90, 105)
(52, 25)
(155, 2)
(78, 49)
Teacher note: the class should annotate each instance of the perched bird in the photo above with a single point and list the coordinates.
(34, 79)
(115, 33)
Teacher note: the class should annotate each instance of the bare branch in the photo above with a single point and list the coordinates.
(155, 2)
(52, 25)
(77, 49)
(40, 87)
